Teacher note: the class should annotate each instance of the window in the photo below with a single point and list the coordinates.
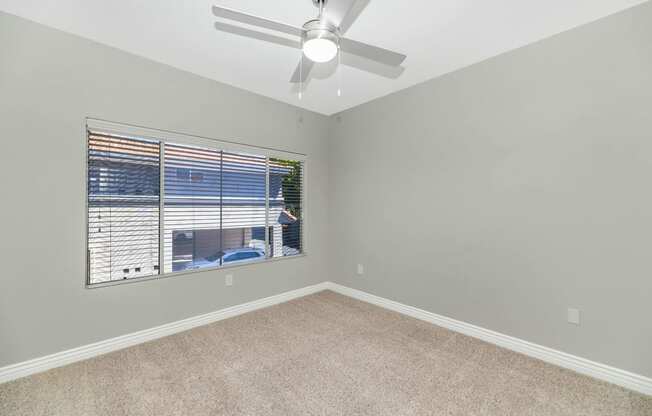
(159, 206)
(123, 208)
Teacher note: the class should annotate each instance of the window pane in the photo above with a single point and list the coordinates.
(193, 180)
(285, 206)
(123, 208)
(243, 207)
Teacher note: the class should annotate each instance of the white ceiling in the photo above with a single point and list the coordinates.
(437, 36)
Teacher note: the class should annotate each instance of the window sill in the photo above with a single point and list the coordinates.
(189, 272)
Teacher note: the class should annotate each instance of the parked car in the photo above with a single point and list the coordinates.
(232, 256)
(242, 254)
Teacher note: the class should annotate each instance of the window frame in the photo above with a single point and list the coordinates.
(166, 136)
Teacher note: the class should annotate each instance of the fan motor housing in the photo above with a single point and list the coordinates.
(316, 29)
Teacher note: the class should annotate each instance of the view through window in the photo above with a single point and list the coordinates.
(160, 207)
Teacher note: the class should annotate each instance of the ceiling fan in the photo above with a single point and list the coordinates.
(321, 39)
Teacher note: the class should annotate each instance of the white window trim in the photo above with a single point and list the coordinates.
(164, 137)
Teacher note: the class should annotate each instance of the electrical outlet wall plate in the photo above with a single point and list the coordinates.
(573, 316)
(228, 280)
(360, 270)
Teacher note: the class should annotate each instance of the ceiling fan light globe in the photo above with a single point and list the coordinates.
(320, 50)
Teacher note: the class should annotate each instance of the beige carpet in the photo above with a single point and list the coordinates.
(324, 354)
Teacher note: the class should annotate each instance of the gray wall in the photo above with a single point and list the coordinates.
(51, 81)
(506, 192)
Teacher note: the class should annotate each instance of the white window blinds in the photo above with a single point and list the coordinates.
(219, 207)
(123, 208)
(285, 205)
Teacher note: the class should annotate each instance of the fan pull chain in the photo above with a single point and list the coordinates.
(339, 70)
(301, 73)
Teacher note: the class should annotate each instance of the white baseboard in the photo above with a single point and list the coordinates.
(590, 368)
(609, 374)
(59, 359)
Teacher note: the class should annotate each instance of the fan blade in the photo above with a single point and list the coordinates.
(342, 13)
(302, 71)
(256, 21)
(242, 31)
(373, 67)
(384, 56)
